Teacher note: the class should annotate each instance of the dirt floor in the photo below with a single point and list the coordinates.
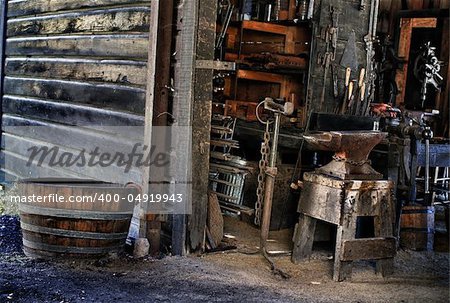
(236, 275)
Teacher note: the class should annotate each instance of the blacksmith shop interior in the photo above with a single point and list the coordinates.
(311, 151)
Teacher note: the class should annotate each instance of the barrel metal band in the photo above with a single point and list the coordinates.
(70, 249)
(73, 214)
(72, 233)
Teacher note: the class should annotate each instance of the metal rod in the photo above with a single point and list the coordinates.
(270, 183)
(427, 166)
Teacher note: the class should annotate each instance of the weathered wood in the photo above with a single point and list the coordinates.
(326, 202)
(303, 238)
(61, 135)
(33, 7)
(48, 231)
(368, 249)
(123, 72)
(163, 64)
(185, 46)
(148, 122)
(3, 19)
(16, 164)
(417, 227)
(111, 46)
(124, 19)
(123, 98)
(67, 113)
(342, 270)
(18, 146)
(201, 124)
(260, 76)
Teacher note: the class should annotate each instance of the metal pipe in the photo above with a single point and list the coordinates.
(427, 166)
(375, 19)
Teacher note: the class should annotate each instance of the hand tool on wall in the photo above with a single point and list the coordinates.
(426, 70)
(223, 32)
(330, 35)
(351, 97)
(310, 10)
(326, 62)
(334, 80)
(350, 62)
(349, 58)
(346, 83)
(369, 39)
(361, 91)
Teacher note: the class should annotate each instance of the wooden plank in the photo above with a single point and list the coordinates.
(163, 64)
(186, 23)
(260, 76)
(18, 147)
(68, 136)
(125, 19)
(123, 72)
(424, 22)
(105, 95)
(405, 37)
(442, 97)
(303, 238)
(414, 4)
(116, 46)
(33, 7)
(368, 249)
(17, 164)
(326, 205)
(67, 113)
(403, 52)
(201, 125)
(148, 121)
(3, 7)
(265, 27)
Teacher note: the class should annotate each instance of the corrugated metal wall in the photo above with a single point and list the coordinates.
(72, 62)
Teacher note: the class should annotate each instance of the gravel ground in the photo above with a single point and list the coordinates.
(10, 235)
(219, 277)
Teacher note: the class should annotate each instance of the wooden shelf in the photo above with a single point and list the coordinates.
(244, 110)
(265, 27)
(260, 76)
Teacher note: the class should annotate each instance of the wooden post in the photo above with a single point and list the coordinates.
(161, 102)
(303, 238)
(149, 101)
(201, 125)
(3, 19)
(186, 47)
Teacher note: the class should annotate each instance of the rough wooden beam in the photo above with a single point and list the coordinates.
(201, 124)
(186, 45)
(149, 100)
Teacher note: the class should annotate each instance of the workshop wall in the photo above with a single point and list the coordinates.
(349, 17)
(73, 63)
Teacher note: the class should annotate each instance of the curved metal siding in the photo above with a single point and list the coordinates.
(73, 63)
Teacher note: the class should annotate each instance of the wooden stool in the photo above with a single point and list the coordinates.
(341, 202)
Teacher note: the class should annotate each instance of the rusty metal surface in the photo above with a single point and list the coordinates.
(352, 149)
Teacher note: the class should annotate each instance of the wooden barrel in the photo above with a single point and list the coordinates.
(93, 227)
(417, 227)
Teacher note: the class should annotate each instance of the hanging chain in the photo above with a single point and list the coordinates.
(265, 151)
(351, 162)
